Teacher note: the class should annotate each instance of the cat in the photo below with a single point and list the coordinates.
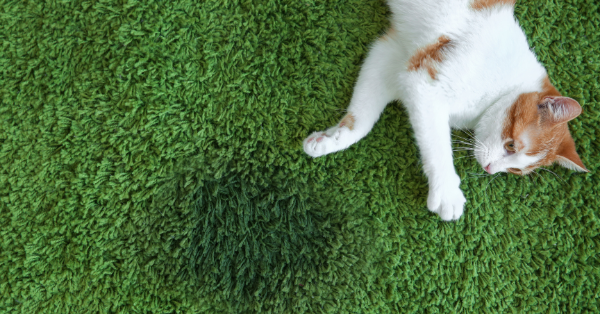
(462, 64)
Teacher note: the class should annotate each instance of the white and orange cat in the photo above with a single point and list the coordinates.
(460, 64)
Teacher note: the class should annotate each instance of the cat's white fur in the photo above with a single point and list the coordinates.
(489, 66)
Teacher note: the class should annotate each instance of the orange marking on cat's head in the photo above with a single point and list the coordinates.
(427, 56)
(486, 4)
(348, 121)
(537, 122)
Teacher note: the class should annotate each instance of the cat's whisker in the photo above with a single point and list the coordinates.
(475, 138)
(469, 133)
(480, 143)
(463, 130)
(492, 180)
(477, 151)
(463, 138)
(478, 174)
(468, 140)
(463, 142)
(539, 175)
(473, 143)
(556, 175)
(531, 178)
(460, 149)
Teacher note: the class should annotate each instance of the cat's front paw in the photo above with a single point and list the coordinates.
(332, 140)
(447, 201)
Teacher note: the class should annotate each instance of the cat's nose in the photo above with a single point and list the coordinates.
(487, 168)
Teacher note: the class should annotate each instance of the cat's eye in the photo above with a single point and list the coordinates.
(510, 147)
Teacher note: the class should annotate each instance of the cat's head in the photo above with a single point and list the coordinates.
(532, 133)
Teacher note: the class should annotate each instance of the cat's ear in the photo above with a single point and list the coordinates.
(558, 109)
(567, 157)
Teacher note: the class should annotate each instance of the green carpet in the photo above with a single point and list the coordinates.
(151, 162)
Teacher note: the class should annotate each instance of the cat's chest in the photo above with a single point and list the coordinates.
(466, 108)
(465, 115)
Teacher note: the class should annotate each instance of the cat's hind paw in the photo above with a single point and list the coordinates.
(448, 202)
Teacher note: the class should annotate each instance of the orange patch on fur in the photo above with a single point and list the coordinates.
(428, 56)
(548, 89)
(530, 114)
(486, 4)
(348, 121)
(390, 32)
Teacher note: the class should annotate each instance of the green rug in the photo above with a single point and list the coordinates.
(151, 162)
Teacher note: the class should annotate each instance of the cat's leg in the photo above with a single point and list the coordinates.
(373, 91)
(432, 131)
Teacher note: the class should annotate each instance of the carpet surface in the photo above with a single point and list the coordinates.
(151, 162)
